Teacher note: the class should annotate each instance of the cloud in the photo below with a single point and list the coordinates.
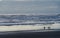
(29, 7)
(0, 0)
(31, 0)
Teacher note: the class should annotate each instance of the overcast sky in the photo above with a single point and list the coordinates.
(30, 0)
(29, 6)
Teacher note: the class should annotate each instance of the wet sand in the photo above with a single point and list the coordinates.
(20, 34)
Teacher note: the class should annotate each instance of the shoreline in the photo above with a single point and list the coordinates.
(54, 34)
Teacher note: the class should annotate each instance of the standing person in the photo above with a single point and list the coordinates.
(48, 28)
(44, 28)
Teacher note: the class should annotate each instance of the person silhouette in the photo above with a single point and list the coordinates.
(48, 28)
(44, 28)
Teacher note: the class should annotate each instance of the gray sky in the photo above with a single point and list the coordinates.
(30, 0)
(29, 6)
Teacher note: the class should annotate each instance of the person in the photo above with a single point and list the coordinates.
(48, 28)
(44, 28)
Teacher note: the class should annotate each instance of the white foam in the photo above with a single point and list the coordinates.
(28, 27)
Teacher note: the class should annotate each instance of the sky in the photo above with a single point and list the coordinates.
(30, 0)
(30, 7)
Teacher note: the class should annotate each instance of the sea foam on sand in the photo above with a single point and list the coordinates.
(27, 27)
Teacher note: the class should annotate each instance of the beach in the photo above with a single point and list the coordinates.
(19, 34)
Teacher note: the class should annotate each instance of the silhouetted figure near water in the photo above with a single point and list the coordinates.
(44, 28)
(49, 28)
